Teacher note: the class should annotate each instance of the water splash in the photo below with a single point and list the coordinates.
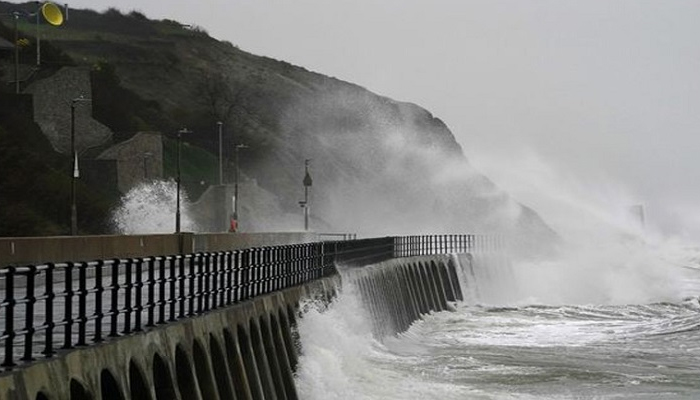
(150, 207)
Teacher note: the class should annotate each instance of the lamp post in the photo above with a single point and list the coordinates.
(146, 156)
(16, 17)
(52, 14)
(307, 184)
(177, 212)
(76, 170)
(221, 153)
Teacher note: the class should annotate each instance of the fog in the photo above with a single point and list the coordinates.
(569, 106)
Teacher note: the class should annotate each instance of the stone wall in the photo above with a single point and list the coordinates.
(24, 251)
(138, 159)
(52, 110)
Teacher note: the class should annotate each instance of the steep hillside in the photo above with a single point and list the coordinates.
(379, 166)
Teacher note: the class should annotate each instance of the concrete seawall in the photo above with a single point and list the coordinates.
(246, 351)
(397, 292)
(37, 250)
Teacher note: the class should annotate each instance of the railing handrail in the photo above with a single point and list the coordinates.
(84, 301)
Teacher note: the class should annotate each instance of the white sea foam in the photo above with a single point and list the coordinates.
(150, 207)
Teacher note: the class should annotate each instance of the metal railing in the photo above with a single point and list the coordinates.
(63, 305)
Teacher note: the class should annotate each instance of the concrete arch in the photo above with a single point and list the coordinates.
(224, 381)
(288, 341)
(78, 391)
(264, 369)
(162, 380)
(109, 387)
(186, 381)
(237, 367)
(439, 285)
(282, 357)
(272, 357)
(251, 365)
(138, 388)
(202, 368)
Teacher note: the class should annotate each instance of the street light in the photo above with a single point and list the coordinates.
(234, 222)
(52, 14)
(221, 154)
(146, 155)
(307, 184)
(177, 212)
(76, 170)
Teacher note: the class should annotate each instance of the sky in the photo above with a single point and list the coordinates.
(568, 105)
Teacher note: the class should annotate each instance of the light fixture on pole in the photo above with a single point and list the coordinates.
(177, 211)
(146, 156)
(221, 153)
(52, 14)
(307, 184)
(76, 171)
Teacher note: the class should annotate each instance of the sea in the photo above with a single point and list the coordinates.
(611, 322)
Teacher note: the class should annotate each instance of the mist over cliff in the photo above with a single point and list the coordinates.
(379, 166)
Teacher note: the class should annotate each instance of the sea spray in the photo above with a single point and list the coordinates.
(342, 359)
(150, 207)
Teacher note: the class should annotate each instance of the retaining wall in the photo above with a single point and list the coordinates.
(37, 250)
(397, 292)
(246, 351)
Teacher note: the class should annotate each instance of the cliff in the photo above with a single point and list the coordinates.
(379, 166)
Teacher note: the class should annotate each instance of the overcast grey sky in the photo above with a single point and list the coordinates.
(591, 102)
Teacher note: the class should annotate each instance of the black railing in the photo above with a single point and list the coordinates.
(64, 305)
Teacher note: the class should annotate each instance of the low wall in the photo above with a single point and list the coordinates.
(37, 250)
(397, 292)
(245, 351)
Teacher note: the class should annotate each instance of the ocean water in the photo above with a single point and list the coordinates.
(620, 323)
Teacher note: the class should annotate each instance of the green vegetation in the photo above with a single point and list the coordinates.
(199, 167)
(35, 194)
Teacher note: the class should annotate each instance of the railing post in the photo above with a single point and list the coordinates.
(127, 297)
(68, 309)
(161, 289)
(206, 275)
(9, 308)
(114, 309)
(181, 278)
(29, 314)
(99, 289)
(215, 279)
(151, 302)
(172, 285)
(82, 304)
(138, 285)
(48, 304)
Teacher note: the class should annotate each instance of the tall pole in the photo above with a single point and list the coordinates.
(307, 184)
(16, 15)
(76, 171)
(74, 157)
(221, 154)
(179, 179)
(235, 185)
(38, 35)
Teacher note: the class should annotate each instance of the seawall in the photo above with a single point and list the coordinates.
(398, 292)
(245, 351)
(37, 250)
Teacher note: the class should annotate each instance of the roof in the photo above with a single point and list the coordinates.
(6, 44)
